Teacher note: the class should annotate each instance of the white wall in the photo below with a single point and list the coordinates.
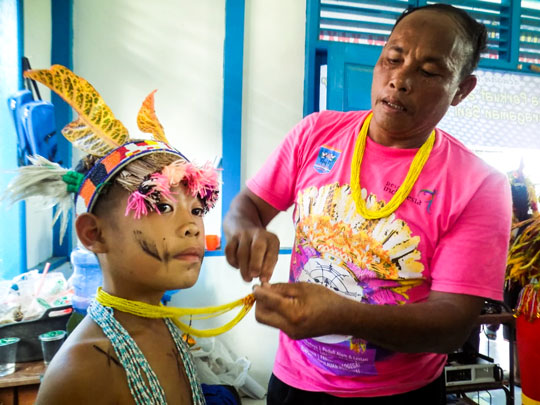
(37, 47)
(274, 47)
(127, 48)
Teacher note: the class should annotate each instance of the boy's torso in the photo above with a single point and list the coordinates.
(98, 361)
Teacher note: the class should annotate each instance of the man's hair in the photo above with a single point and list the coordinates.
(474, 32)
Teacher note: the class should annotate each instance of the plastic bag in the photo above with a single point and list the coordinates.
(215, 365)
(30, 294)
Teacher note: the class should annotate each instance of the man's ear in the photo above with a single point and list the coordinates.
(465, 87)
(89, 232)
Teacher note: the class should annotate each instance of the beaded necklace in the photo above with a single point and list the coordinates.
(402, 192)
(134, 362)
(158, 311)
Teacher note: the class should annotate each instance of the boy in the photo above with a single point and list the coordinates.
(140, 260)
(143, 205)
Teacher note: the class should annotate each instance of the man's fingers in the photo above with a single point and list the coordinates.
(243, 253)
(255, 253)
(270, 259)
(270, 307)
(231, 252)
(258, 252)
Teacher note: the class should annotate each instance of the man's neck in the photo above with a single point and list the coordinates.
(410, 140)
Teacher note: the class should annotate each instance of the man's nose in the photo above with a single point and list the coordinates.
(401, 80)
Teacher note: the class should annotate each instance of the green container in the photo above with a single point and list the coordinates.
(29, 347)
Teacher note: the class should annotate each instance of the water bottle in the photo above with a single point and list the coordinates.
(86, 278)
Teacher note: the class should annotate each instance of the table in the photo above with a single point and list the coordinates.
(504, 318)
(21, 387)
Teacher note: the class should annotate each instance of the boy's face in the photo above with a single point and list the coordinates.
(159, 251)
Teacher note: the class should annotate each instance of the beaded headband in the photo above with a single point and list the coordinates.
(111, 164)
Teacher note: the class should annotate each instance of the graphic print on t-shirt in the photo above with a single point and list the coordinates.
(326, 159)
(371, 261)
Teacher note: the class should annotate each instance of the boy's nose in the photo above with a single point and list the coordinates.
(189, 229)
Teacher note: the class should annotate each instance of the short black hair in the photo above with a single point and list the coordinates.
(474, 32)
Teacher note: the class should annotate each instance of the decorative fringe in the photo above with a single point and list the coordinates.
(201, 182)
(137, 202)
(529, 301)
(42, 179)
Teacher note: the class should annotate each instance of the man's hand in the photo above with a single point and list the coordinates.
(250, 247)
(301, 310)
(254, 251)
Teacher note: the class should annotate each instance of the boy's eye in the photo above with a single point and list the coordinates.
(198, 212)
(164, 208)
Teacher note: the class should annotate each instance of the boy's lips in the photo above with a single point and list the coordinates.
(190, 254)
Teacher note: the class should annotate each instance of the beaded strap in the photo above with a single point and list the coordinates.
(189, 365)
(134, 362)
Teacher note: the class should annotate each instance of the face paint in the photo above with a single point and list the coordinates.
(148, 247)
(166, 253)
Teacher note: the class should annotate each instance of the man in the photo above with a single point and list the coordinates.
(399, 237)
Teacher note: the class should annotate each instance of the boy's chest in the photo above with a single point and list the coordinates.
(166, 362)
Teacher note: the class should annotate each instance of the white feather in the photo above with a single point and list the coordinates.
(42, 178)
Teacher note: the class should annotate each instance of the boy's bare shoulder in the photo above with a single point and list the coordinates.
(84, 371)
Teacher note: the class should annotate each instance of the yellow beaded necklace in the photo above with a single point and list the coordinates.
(159, 311)
(402, 192)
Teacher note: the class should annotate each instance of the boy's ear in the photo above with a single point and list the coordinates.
(89, 232)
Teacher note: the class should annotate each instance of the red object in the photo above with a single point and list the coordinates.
(528, 338)
(212, 242)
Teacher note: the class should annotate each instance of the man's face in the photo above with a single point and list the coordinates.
(417, 76)
(158, 251)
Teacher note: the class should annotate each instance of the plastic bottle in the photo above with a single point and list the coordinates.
(86, 278)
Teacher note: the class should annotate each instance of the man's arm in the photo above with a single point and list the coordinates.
(301, 310)
(250, 247)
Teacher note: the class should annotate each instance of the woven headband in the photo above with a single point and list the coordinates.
(110, 165)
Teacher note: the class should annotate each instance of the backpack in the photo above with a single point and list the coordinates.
(35, 123)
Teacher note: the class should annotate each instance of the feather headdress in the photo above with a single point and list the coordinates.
(97, 132)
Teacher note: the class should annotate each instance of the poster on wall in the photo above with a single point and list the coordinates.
(503, 111)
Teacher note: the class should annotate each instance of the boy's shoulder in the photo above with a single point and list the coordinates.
(85, 370)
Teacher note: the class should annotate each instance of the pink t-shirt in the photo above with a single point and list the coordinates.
(449, 235)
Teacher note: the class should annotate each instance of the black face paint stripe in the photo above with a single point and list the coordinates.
(166, 253)
(149, 248)
(109, 356)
